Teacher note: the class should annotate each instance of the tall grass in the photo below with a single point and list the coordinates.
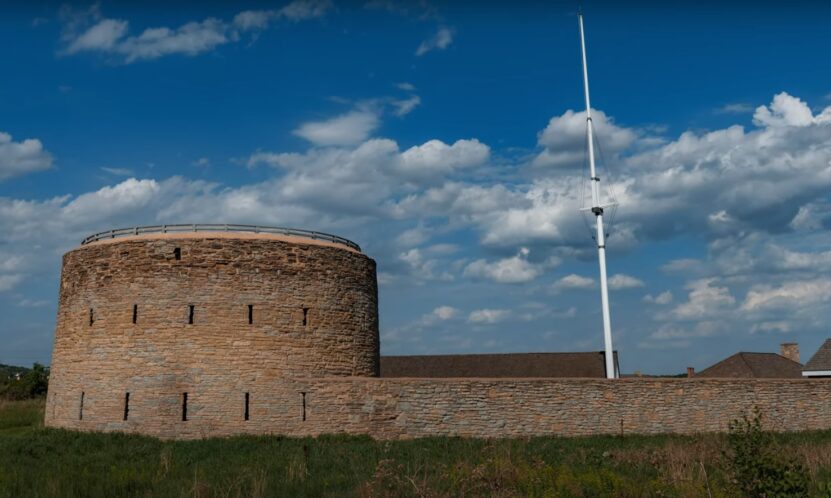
(35, 461)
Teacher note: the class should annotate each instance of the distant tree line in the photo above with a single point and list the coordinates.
(23, 383)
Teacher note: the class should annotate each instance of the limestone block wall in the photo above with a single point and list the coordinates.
(488, 408)
(208, 314)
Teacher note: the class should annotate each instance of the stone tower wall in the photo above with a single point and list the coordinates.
(314, 313)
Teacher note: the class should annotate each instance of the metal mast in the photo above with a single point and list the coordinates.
(597, 210)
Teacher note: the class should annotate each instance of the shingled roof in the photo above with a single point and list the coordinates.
(591, 364)
(754, 365)
(821, 361)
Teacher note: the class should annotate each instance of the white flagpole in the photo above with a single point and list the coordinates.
(597, 209)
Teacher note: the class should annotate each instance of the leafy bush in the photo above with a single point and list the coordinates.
(33, 384)
(757, 464)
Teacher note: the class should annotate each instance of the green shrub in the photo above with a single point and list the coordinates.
(757, 465)
(32, 385)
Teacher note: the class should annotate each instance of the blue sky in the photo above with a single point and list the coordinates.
(448, 141)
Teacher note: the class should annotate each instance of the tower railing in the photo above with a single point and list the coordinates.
(218, 227)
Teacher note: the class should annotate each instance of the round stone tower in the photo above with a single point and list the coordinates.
(157, 325)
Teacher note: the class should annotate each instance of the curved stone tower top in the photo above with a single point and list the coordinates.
(209, 310)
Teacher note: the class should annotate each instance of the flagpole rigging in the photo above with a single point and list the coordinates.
(597, 210)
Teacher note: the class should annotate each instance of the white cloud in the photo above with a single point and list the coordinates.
(737, 108)
(32, 303)
(439, 41)
(789, 295)
(190, 39)
(117, 171)
(20, 158)
(89, 31)
(704, 300)
(435, 158)
(564, 139)
(347, 129)
(662, 298)
(488, 316)
(781, 327)
(299, 10)
(573, 281)
(103, 36)
(785, 110)
(406, 106)
(7, 282)
(621, 281)
(445, 312)
(513, 270)
(674, 332)
(422, 268)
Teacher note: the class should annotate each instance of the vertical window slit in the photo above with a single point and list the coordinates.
(135, 313)
(184, 407)
(305, 316)
(81, 409)
(303, 412)
(250, 314)
(177, 253)
(190, 314)
(91, 317)
(247, 399)
(126, 405)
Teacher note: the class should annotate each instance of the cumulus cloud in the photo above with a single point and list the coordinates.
(89, 31)
(20, 158)
(435, 158)
(662, 298)
(424, 268)
(439, 41)
(785, 110)
(757, 200)
(705, 300)
(513, 270)
(564, 138)
(488, 316)
(620, 281)
(573, 281)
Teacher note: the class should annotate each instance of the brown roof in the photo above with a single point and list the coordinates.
(754, 365)
(589, 364)
(821, 359)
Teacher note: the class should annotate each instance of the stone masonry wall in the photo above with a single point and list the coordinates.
(314, 313)
(489, 408)
(308, 362)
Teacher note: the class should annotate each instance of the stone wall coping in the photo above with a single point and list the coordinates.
(208, 235)
(219, 227)
(558, 380)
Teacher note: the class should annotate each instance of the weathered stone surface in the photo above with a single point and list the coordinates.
(322, 377)
(315, 313)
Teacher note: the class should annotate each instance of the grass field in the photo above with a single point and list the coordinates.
(35, 461)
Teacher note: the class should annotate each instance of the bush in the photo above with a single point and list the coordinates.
(757, 465)
(32, 385)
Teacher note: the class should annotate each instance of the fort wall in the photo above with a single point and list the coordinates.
(487, 408)
(197, 335)
(208, 313)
